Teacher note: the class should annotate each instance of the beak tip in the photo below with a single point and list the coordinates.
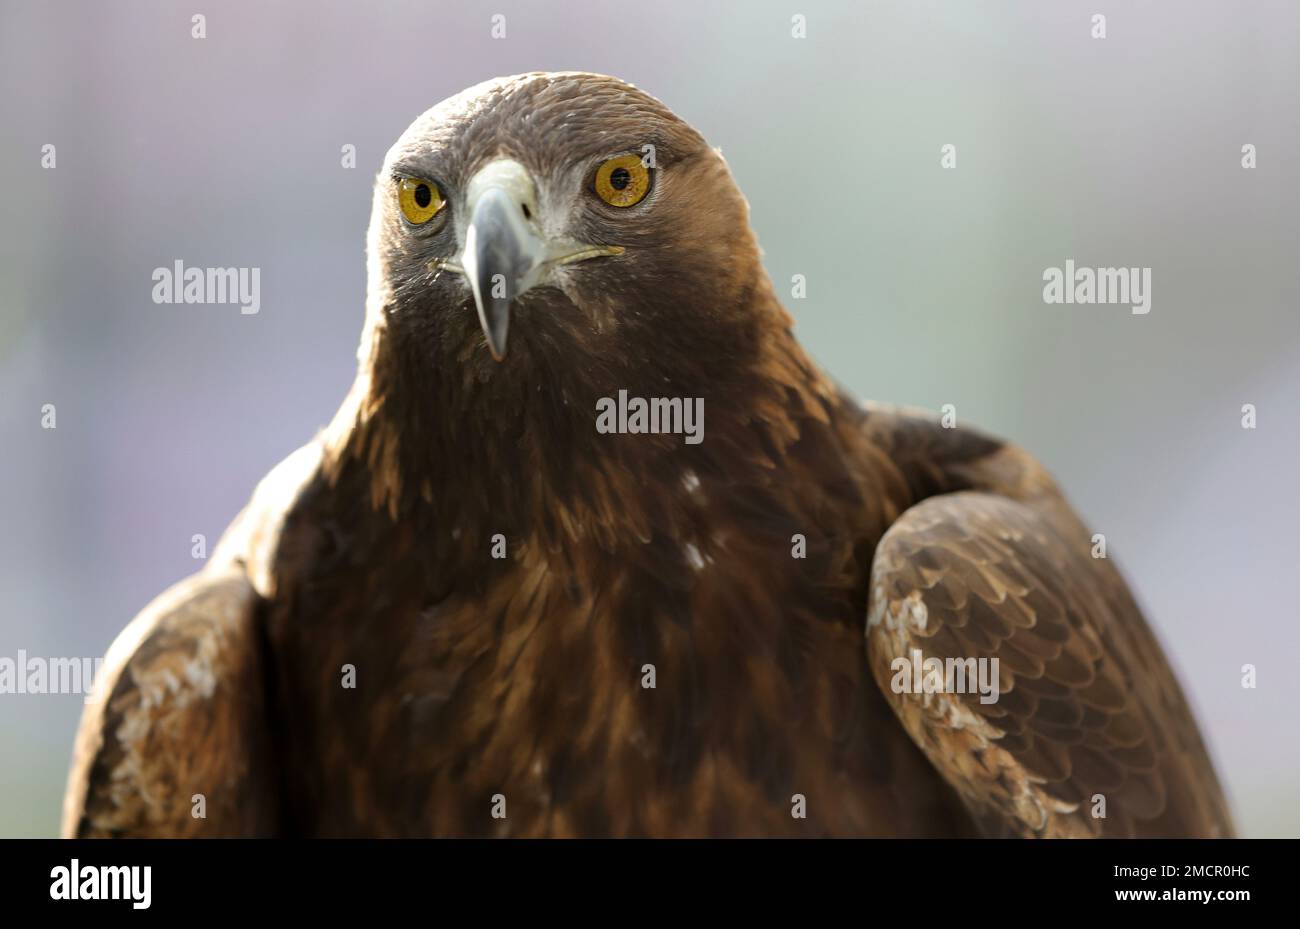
(495, 330)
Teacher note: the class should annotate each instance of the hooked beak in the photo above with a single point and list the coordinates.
(506, 252)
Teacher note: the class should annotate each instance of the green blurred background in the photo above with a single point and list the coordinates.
(924, 284)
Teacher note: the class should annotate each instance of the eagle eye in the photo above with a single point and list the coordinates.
(419, 199)
(623, 181)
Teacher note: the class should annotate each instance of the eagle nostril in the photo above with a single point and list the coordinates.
(528, 214)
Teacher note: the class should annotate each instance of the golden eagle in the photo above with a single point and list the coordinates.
(463, 609)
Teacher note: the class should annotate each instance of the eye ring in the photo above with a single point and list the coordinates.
(622, 181)
(420, 200)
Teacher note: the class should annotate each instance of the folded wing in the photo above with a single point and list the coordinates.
(1089, 734)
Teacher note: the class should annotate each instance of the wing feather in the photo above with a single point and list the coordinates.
(1088, 706)
(178, 715)
(178, 738)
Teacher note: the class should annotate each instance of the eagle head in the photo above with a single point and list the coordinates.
(568, 218)
(538, 245)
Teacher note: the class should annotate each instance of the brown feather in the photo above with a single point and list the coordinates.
(521, 677)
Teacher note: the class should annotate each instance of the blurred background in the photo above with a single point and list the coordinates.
(924, 285)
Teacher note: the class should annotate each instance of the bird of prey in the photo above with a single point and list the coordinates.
(467, 609)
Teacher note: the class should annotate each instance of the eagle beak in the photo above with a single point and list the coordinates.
(506, 252)
(503, 251)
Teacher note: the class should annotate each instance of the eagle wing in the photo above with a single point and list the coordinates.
(176, 740)
(1089, 734)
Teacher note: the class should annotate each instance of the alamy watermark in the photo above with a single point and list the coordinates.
(654, 416)
(103, 882)
(1131, 286)
(26, 674)
(946, 676)
(179, 284)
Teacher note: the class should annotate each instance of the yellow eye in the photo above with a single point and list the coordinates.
(623, 181)
(420, 200)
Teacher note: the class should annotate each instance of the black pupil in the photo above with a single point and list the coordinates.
(423, 195)
(620, 178)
